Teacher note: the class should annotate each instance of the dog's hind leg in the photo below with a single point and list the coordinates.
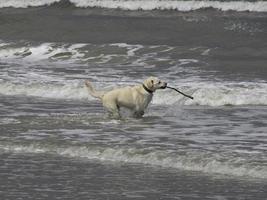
(112, 108)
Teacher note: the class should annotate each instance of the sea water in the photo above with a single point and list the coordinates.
(56, 140)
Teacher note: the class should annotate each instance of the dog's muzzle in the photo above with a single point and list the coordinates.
(164, 86)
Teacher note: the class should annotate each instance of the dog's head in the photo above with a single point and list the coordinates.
(153, 83)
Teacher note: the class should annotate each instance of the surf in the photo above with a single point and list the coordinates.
(206, 95)
(185, 6)
(193, 161)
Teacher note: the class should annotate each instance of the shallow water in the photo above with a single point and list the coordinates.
(57, 142)
(66, 150)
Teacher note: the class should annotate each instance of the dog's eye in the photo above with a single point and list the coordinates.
(159, 82)
(152, 81)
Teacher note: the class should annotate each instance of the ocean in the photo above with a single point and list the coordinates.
(56, 141)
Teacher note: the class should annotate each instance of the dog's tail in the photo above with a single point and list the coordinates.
(92, 91)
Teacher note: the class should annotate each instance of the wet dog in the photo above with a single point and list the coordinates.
(135, 98)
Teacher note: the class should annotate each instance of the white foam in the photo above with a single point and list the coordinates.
(24, 81)
(131, 49)
(230, 94)
(9, 53)
(40, 52)
(258, 6)
(205, 94)
(25, 3)
(211, 94)
(68, 91)
(4, 121)
(190, 161)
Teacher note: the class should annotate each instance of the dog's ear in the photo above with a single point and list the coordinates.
(150, 83)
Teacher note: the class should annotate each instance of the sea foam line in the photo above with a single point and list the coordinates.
(205, 94)
(71, 91)
(190, 162)
(40, 52)
(26, 3)
(258, 6)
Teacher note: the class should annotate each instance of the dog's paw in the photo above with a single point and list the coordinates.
(139, 114)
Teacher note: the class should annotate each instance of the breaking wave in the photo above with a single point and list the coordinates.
(204, 94)
(61, 81)
(256, 6)
(210, 164)
(38, 52)
(71, 91)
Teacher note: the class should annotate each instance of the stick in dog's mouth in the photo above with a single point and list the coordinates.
(180, 92)
(164, 86)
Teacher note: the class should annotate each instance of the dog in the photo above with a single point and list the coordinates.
(136, 98)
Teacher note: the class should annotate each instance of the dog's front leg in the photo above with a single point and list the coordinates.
(139, 113)
(115, 115)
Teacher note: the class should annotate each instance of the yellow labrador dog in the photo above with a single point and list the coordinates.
(135, 98)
